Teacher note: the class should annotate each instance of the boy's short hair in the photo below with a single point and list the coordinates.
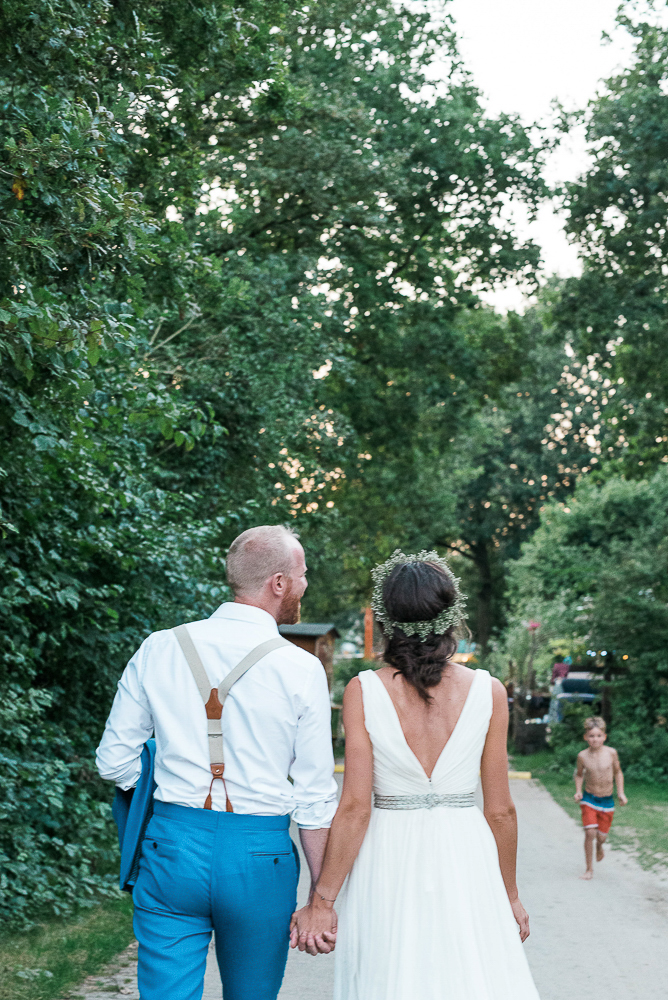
(595, 722)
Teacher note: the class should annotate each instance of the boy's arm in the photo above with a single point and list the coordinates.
(619, 778)
(579, 778)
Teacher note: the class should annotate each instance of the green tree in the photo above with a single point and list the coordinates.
(600, 564)
(197, 215)
(473, 473)
(615, 313)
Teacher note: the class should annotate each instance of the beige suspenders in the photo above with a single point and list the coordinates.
(214, 698)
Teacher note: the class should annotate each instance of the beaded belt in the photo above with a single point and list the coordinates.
(458, 800)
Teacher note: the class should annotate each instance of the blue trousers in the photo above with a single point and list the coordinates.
(202, 871)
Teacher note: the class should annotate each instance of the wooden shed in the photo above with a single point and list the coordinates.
(317, 638)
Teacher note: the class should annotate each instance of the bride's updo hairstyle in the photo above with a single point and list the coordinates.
(418, 605)
(417, 592)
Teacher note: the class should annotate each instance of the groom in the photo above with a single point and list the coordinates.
(217, 853)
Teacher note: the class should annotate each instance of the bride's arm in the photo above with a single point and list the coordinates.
(313, 928)
(499, 808)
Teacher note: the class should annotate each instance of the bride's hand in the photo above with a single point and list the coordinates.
(313, 929)
(522, 918)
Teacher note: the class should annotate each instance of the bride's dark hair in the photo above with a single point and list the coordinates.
(418, 592)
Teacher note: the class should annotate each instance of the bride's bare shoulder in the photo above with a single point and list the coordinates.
(466, 675)
(352, 691)
(460, 670)
(457, 676)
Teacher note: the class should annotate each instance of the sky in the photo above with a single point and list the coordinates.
(523, 54)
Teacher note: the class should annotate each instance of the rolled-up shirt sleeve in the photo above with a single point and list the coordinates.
(312, 770)
(128, 727)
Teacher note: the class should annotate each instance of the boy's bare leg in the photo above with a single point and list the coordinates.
(600, 841)
(590, 837)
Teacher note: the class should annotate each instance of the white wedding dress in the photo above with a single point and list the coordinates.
(424, 914)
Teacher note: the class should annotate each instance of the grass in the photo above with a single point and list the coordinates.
(43, 964)
(639, 829)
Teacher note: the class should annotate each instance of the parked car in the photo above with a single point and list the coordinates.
(578, 687)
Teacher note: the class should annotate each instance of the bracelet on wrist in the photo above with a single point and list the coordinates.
(324, 898)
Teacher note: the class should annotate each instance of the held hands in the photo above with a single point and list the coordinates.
(522, 918)
(578, 796)
(313, 928)
(623, 799)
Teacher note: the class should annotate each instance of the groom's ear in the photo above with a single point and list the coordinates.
(278, 583)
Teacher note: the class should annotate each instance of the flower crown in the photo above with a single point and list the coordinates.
(438, 625)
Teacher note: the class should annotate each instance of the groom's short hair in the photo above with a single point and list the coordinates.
(258, 553)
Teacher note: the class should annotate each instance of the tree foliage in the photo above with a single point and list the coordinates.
(477, 470)
(241, 257)
(597, 567)
(198, 215)
(615, 314)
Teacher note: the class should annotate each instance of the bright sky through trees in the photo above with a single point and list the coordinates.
(525, 53)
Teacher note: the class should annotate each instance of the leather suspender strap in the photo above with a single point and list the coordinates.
(214, 698)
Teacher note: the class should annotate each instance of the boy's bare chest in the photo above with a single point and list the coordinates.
(599, 766)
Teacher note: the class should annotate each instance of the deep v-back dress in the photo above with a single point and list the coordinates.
(424, 914)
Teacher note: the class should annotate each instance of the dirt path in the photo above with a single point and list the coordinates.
(119, 977)
(607, 937)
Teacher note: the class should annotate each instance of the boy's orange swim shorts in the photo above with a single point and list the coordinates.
(597, 811)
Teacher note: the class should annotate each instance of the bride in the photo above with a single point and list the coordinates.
(430, 910)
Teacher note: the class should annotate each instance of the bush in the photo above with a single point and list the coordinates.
(57, 850)
(345, 670)
(565, 740)
(643, 753)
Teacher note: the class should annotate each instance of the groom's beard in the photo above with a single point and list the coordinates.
(290, 609)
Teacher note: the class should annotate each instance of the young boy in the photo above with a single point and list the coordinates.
(598, 767)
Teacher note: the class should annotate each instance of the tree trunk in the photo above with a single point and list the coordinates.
(519, 718)
(523, 690)
(484, 595)
(606, 706)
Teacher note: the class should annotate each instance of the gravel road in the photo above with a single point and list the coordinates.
(607, 937)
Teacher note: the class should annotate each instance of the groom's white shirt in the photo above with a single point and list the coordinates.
(276, 722)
